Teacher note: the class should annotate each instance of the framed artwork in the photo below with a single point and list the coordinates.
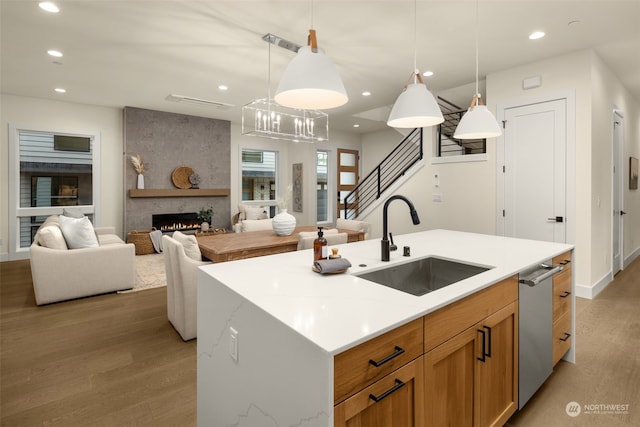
(297, 187)
(633, 173)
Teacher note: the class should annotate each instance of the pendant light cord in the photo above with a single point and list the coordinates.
(477, 91)
(415, 41)
(269, 72)
(311, 14)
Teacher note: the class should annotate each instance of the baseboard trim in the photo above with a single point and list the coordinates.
(590, 292)
(632, 257)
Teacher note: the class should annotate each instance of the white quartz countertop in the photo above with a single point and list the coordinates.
(339, 311)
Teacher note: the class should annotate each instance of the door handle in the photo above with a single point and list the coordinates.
(623, 213)
(556, 219)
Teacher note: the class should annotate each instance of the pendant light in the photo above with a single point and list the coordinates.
(415, 107)
(478, 122)
(311, 81)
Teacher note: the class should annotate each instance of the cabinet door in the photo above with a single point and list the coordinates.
(396, 400)
(450, 378)
(498, 373)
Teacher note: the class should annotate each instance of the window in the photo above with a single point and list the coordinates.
(51, 170)
(322, 186)
(259, 177)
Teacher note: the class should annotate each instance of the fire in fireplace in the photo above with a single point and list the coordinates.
(175, 221)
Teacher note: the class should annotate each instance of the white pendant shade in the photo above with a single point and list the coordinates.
(415, 108)
(311, 82)
(477, 123)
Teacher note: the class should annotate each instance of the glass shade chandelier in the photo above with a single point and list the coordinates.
(478, 122)
(267, 118)
(415, 107)
(311, 80)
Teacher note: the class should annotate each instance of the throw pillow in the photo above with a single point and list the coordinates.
(256, 224)
(255, 212)
(72, 212)
(190, 245)
(78, 232)
(51, 237)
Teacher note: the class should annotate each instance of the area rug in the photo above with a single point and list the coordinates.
(149, 273)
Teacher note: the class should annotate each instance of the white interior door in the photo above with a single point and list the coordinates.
(617, 199)
(535, 182)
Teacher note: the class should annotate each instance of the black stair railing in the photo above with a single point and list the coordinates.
(390, 169)
(446, 142)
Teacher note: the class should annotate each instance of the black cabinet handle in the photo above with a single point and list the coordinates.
(484, 346)
(488, 354)
(398, 351)
(566, 337)
(565, 294)
(565, 262)
(377, 399)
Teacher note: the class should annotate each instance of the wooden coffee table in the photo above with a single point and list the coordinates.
(233, 246)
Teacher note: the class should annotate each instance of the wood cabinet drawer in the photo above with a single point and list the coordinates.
(451, 320)
(356, 368)
(396, 400)
(561, 294)
(561, 336)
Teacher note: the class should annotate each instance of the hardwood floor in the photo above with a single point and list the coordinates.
(114, 360)
(109, 360)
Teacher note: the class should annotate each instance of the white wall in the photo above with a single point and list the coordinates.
(559, 74)
(609, 94)
(596, 91)
(467, 190)
(33, 112)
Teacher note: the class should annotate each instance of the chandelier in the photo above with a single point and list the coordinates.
(265, 117)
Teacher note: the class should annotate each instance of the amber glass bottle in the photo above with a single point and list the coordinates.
(320, 247)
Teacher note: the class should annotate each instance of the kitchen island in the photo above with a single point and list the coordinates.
(269, 328)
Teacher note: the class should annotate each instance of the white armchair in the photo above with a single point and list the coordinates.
(182, 289)
(350, 224)
(305, 241)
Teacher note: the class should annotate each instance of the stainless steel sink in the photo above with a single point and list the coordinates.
(423, 275)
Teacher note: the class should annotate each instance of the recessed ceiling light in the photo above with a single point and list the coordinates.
(60, 90)
(428, 73)
(223, 87)
(536, 35)
(55, 53)
(356, 125)
(366, 93)
(49, 6)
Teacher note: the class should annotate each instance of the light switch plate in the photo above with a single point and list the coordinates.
(436, 197)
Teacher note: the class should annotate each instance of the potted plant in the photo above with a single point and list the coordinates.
(204, 216)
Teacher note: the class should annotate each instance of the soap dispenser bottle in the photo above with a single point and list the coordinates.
(320, 248)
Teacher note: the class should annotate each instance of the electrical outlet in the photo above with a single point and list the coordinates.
(233, 343)
(436, 198)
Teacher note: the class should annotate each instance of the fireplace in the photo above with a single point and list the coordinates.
(168, 223)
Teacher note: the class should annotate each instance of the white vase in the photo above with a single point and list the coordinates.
(283, 223)
(204, 226)
(140, 181)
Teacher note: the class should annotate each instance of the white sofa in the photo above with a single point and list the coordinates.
(182, 288)
(61, 274)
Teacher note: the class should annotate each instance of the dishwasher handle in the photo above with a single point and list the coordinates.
(549, 272)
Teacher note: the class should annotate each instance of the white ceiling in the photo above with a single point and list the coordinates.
(135, 53)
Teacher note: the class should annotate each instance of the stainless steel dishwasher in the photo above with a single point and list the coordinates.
(535, 328)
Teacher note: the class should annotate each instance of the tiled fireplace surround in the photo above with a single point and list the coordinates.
(166, 141)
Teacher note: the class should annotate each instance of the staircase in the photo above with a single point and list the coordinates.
(404, 156)
(394, 166)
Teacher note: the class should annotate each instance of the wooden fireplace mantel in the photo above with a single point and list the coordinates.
(177, 192)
